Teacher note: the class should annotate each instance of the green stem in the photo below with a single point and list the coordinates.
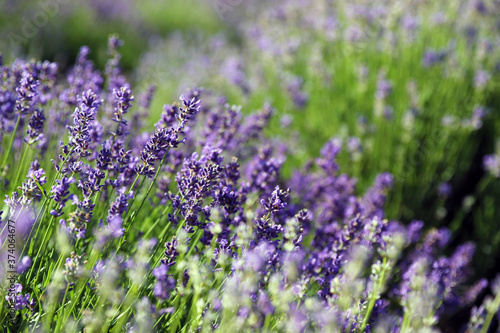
(42, 211)
(195, 240)
(133, 184)
(35, 258)
(375, 295)
(7, 153)
(133, 199)
(405, 323)
(151, 185)
(21, 165)
(491, 312)
(478, 194)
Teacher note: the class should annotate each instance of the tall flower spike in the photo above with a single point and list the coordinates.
(35, 127)
(27, 93)
(120, 205)
(190, 108)
(170, 253)
(83, 120)
(123, 99)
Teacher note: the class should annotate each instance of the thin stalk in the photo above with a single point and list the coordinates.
(152, 184)
(491, 312)
(132, 219)
(133, 184)
(35, 258)
(7, 153)
(375, 295)
(405, 323)
(21, 165)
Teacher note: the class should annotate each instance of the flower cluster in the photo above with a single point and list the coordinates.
(20, 301)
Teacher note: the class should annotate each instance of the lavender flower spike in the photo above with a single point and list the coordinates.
(123, 101)
(83, 119)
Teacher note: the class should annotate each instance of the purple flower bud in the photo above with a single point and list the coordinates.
(444, 190)
(35, 127)
(24, 264)
(492, 164)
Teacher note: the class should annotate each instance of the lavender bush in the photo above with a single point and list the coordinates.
(190, 225)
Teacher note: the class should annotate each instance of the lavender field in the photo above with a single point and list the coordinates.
(250, 166)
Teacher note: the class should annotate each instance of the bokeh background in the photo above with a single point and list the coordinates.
(410, 87)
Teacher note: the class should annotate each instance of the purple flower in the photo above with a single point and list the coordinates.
(266, 230)
(73, 267)
(384, 87)
(190, 108)
(328, 154)
(263, 170)
(353, 145)
(156, 147)
(492, 164)
(83, 120)
(60, 193)
(120, 205)
(196, 181)
(414, 231)
(444, 190)
(76, 224)
(104, 159)
(233, 69)
(474, 291)
(481, 79)
(18, 301)
(35, 127)
(27, 92)
(82, 77)
(123, 99)
(170, 253)
(24, 264)
(277, 201)
(164, 282)
(14, 201)
(229, 199)
(30, 188)
(432, 57)
(168, 116)
(114, 43)
(374, 199)
(115, 227)
(435, 240)
(295, 90)
(477, 117)
(112, 70)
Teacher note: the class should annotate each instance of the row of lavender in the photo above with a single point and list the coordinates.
(190, 225)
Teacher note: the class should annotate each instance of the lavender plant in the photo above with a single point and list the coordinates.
(190, 224)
